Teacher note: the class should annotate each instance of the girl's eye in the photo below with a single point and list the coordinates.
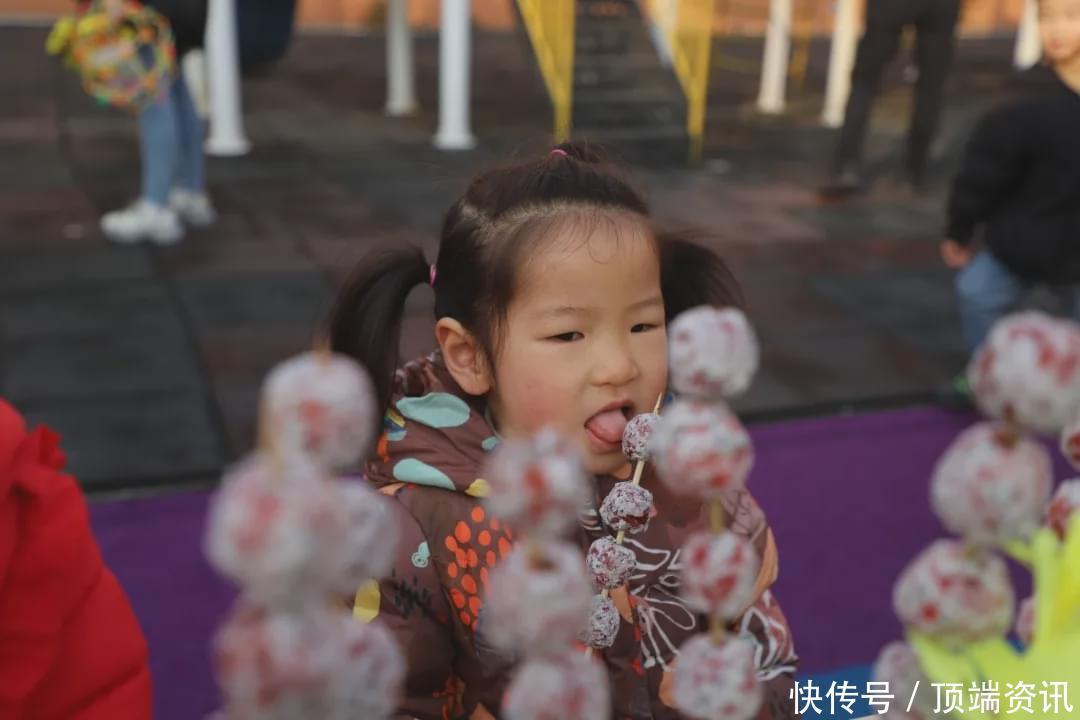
(642, 327)
(566, 337)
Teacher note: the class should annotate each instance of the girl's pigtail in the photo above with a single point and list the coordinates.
(691, 274)
(365, 323)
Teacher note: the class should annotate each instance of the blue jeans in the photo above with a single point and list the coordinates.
(987, 290)
(171, 144)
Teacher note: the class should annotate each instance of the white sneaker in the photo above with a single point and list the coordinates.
(143, 220)
(193, 207)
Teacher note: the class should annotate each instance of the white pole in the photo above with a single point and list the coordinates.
(400, 76)
(454, 60)
(1028, 44)
(223, 59)
(845, 39)
(774, 70)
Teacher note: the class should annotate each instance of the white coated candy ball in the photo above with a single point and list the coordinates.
(713, 353)
(1070, 441)
(276, 666)
(367, 537)
(719, 573)
(610, 564)
(1063, 507)
(274, 537)
(717, 682)
(635, 439)
(367, 683)
(992, 487)
(538, 603)
(1028, 372)
(701, 449)
(538, 485)
(603, 623)
(323, 405)
(559, 688)
(955, 595)
(627, 508)
(898, 665)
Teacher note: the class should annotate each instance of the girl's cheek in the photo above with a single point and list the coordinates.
(534, 407)
(657, 369)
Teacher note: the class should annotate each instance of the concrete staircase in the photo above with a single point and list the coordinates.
(624, 97)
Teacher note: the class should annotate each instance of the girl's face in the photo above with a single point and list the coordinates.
(584, 347)
(1059, 25)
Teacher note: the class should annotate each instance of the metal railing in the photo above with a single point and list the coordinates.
(550, 25)
(686, 27)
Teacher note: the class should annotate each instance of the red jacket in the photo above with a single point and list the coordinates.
(70, 646)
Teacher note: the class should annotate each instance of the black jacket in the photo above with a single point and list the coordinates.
(1020, 181)
(188, 20)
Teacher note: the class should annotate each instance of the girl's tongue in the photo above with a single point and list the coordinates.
(608, 426)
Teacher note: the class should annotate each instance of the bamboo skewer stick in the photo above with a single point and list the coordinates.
(716, 524)
(639, 469)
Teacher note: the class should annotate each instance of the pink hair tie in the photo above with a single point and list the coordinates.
(559, 151)
(431, 275)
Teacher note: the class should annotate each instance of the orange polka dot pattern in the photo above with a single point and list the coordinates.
(475, 545)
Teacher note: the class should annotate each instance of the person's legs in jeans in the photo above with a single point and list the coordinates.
(877, 48)
(190, 167)
(935, 40)
(188, 197)
(987, 290)
(158, 142)
(150, 217)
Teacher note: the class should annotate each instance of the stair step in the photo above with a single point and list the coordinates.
(621, 70)
(632, 134)
(610, 41)
(641, 116)
(595, 79)
(616, 43)
(607, 9)
(639, 95)
(631, 61)
(588, 80)
(628, 26)
(630, 113)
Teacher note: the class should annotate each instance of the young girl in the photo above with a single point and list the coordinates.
(552, 292)
(1020, 185)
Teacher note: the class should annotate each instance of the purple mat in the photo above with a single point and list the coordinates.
(154, 546)
(847, 498)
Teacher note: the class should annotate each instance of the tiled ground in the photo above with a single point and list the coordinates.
(148, 360)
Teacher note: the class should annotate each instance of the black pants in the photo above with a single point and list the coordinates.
(935, 38)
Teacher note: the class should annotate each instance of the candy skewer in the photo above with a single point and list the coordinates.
(639, 469)
(701, 450)
(716, 517)
(717, 631)
(315, 545)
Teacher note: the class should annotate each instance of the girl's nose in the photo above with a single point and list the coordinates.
(616, 366)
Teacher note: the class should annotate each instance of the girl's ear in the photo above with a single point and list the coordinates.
(464, 357)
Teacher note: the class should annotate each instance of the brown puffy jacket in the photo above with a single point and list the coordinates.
(429, 459)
